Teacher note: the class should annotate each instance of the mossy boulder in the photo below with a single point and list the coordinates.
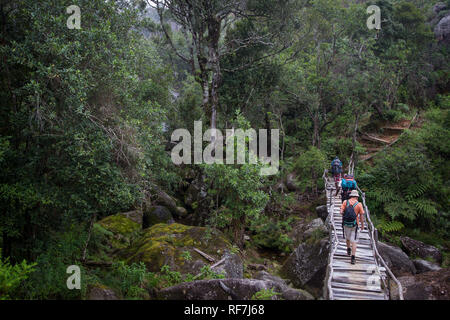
(168, 244)
(113, 233)
(119, 224)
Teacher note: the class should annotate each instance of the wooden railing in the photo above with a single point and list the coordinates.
(335, 243)
(378, 257)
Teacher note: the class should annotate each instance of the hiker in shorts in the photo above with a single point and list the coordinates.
(336, 170)
(348, 183)
(352, 220)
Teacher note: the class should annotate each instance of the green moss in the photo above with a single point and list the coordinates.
(119, 224)
(165, 244)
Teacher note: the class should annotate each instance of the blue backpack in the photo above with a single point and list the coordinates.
(348, 184)
(336, 166)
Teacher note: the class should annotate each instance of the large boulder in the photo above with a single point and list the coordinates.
(431, 285)
(424, 266)
(173, 245)
(229, 289)
(232, 267)
(420, 249)
(100, 292)
(157, 214)
(306, 266)
(396, 259)
(322, 212)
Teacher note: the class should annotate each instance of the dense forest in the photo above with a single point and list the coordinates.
(87, 116)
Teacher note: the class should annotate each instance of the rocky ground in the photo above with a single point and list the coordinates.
(158, 235)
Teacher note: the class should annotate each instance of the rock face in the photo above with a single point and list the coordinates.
(307, 264)
(424, 266)
(157, 214)
(420, 249)
(431, 285)
(322, 212)
(174, 245)
(100, 292)
(232, 267)
(315, 226)
(229, 289)
(396, 259)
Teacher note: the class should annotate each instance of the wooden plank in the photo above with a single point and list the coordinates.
(356, 287)
(350, 294)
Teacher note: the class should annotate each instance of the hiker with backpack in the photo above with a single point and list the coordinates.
(348, 183)
(352, 217)
(336, 170)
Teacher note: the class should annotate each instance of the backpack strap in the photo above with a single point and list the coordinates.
(356, 203)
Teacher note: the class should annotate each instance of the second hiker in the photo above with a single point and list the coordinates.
(348, 184)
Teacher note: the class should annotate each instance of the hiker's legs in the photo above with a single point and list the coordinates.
(354, 244)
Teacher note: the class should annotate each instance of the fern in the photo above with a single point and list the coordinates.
(425, 207)
(416, 190)
(389, 226)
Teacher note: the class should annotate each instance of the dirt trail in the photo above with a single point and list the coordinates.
(387, 134)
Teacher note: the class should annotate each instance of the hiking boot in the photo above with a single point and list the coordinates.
(349, 251)
(353, 260)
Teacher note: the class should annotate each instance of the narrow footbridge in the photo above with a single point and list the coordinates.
(368, 279)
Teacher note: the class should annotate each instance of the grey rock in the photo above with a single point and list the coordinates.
(101, 293)
(420, 249)
(313, 226)
(229, 289)
(396, 259)
(431, 285)
(322, 212)
(157, 214)
(424, 266)
(232, 267)
(264, 275)
(307, 264)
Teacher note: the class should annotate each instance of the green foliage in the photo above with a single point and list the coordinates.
(265, 294)
(309, 167)
(12, 276)
(385, 226)
(407, 183)
(132, 279)
(186, 255)
(272, 234)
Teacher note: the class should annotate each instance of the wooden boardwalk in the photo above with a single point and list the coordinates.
(365, 280)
